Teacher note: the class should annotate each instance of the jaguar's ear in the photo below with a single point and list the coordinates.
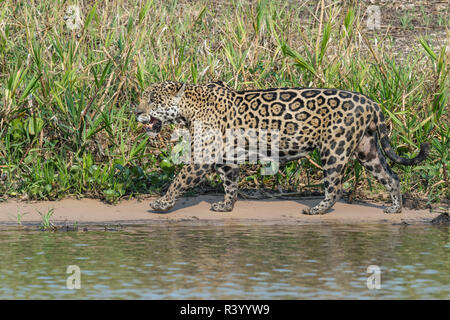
(180, 93)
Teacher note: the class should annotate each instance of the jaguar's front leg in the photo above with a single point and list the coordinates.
(189, 176)
(230, 176)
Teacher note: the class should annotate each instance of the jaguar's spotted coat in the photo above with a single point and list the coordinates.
(339, 123)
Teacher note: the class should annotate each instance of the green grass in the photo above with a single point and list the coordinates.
(406, 19)
(66, 123)
(46, 224)
(19, 217)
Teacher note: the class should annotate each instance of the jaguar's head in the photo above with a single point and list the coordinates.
(159, 105)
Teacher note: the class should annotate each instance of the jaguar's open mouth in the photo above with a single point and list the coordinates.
(153, 126)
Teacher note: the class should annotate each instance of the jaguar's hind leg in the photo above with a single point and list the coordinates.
(229, 175)
(371, 157)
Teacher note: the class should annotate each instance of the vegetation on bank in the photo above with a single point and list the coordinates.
(66, 96)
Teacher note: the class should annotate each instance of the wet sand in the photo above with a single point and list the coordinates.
(197, 210)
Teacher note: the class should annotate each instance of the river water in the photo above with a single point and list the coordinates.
(227, 262)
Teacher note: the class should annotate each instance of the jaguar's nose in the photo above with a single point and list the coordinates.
(141, 117)
(138, 115)
(137, 112)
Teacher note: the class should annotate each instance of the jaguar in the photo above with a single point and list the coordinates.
(341, 124)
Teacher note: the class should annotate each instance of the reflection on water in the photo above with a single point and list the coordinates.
(227, 262)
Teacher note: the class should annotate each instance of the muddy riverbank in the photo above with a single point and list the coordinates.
(197, 210)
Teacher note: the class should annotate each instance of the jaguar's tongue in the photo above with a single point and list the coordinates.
(152, 122)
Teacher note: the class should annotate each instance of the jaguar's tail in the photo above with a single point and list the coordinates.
(385, 143)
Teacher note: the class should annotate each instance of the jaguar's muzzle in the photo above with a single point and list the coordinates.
(151, 124)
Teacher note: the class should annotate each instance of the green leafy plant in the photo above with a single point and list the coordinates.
(46, 224)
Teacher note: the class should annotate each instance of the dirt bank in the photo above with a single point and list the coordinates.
(196, 209)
